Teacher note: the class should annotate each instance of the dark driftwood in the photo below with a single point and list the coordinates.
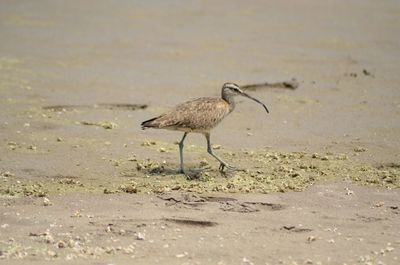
(291, 84)
(111, 106)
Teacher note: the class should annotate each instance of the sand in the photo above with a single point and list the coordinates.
(317, 179)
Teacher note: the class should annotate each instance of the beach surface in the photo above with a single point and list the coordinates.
(317, 179)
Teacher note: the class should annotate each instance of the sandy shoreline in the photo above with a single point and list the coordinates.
(318, 177)
(331, 223)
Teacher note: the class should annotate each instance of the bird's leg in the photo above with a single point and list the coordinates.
(181, 152)
(222, 164)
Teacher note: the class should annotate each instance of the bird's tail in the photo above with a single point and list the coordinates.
(148, 123)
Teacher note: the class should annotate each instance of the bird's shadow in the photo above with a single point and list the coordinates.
(190, 173)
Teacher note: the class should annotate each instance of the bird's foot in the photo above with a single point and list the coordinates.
(222, 166)
(186, 174)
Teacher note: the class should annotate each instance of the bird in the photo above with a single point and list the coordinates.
(200, 116)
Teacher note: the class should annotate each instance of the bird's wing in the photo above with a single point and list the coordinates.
(198, 114)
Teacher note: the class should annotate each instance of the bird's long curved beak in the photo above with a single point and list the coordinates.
(256, 100)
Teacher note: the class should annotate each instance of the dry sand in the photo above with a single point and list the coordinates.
(318, 177)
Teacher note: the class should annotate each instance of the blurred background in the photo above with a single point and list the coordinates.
(344, 54)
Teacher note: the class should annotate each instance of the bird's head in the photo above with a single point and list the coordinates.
(231, 89)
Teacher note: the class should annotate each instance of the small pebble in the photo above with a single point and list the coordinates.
(51, 253)
(46, 202)
(48, 239)
(311, 239)
(389, 249)
(140, 236)
(247, 261)
(181, 255)
(61, 244)
(349, 192)
(132, 158)
(32, 147)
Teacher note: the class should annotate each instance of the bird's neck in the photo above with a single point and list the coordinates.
(230, 99)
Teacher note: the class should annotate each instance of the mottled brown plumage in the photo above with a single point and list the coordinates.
(199, 116)
(187, 117)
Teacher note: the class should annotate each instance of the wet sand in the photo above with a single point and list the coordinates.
(318, 177)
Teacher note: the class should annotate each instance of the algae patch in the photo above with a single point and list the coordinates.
(258, 171)
(264, 172)
(19, 187)
(108, 125)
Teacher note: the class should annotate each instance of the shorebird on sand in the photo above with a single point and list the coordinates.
(200, 116)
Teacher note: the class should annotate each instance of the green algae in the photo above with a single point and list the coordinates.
(259, 171)
(108, 125)
(264, 172)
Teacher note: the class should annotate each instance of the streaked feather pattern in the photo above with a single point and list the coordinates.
(199, 115)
